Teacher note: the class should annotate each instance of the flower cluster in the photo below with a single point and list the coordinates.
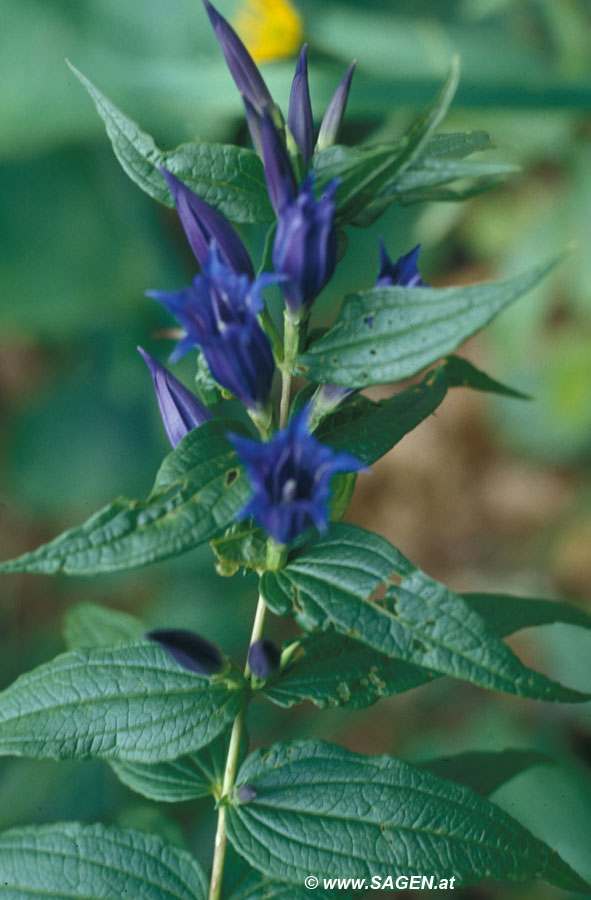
(221, 311)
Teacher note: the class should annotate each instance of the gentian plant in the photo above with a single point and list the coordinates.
(268, 489)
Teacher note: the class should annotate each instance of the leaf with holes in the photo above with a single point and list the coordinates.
(129, 702)
(198, 491)
(418, 620)
(229, 178)
(330, 669)
(318, 809)
(390, 333)
(92, 862)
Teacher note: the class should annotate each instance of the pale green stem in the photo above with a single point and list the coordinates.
(221, 837)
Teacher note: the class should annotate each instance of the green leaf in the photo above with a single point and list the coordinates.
(368, 430)
(242, 544)
(256, 886)
(505, 613)
(191, 776)
(92, 862)
(418, 621)
(229, 178)
(364, 172)
(322, 810)
(484, 771)
(330, 669)
(198, 491)
(390, 333)
(130, 702)
(91, 625)
(187, 778)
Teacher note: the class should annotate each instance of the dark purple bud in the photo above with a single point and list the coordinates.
(305, 245)
(279, 174)
(219, 314)
(263, 658)
(403, 272)
(246, 793)
(204, 224)
(247, 77)
(333, 117)
(190, 650)
(300, 119)
(255, 126)
(181, 411)
(290, 478)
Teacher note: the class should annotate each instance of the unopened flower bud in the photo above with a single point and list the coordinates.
(190, 650)
(263, 658)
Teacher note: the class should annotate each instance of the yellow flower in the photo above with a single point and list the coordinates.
(271, 29)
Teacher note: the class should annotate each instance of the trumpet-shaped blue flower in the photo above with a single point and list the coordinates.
(219, 313)
(403, 272)
(181, 411)
(204, 224)
(305, 245)
(290, 477)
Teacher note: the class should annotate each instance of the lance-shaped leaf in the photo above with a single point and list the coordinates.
(370, 429)
(129, 702)
(485, 771)
(418, 621)
(390, 333)
(198, 491)
(229, 178)
(330, 669)
(191, 776)
(318, 809)
(372, 169)
(91, 625)
(92, 862)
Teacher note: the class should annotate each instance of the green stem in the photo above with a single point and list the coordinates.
(221, 837)
(291, 345)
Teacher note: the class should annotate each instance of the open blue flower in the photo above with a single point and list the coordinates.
(181, 411)
(305, 245)
(290, 477)
(219, 313)
(403, 272)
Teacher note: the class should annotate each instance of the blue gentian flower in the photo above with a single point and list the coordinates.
(204, 224)
(189, 650)
(290, 477)
(243, 69)
(300, 119)
(403, 272)
(219, 314)
(263, 658)
(305, 245)
(279, 174)
(335, 112)
(257, 98)
(181, 411)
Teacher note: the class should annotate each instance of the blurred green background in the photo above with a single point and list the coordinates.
(485, 495)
